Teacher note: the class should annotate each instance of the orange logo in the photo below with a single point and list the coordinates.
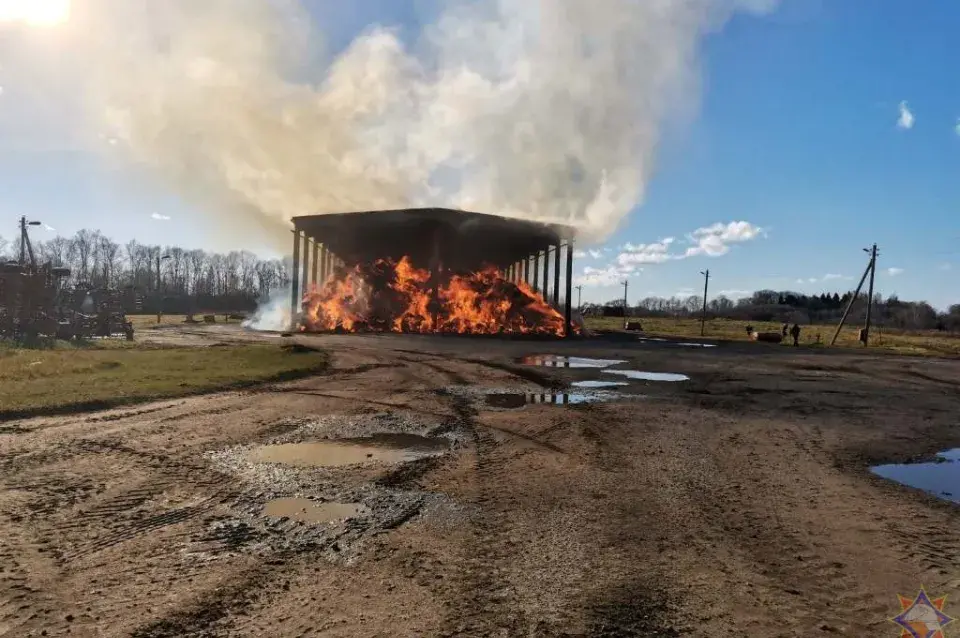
(922, 617)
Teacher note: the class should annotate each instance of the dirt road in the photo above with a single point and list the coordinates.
(735, 503)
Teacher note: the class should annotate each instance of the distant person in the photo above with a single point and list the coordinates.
(749, 330)
(786, 327)
(795, 333)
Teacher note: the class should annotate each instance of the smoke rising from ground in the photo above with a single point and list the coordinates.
(548, 110)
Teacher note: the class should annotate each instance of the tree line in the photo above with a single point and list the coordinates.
(181, 280)
(793, 307)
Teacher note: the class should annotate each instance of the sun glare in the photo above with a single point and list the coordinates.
(38, 13)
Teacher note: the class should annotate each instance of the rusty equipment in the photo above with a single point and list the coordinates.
(34, 301)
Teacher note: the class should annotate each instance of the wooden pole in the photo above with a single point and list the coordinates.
(703, 316)
(846, 312)
(873, 270)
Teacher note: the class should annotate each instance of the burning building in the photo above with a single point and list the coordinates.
(431, 270)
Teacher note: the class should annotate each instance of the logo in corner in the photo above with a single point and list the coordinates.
(922, 617)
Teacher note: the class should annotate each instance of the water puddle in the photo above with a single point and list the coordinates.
(512, 401)
(380, 448)
(940, 478)
(649, 376)
(557, 361)
(599, 384)
(307, 511)
(698, 345)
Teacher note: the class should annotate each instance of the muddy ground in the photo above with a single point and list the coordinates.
(736, 503)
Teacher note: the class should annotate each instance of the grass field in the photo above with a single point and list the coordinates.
(67, 378)
(146, 322)
(920, 343)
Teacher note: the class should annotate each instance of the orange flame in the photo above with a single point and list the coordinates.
(389, 296)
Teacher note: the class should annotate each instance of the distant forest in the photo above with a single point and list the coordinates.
(169, 277)
(785, 306)
(196, 280)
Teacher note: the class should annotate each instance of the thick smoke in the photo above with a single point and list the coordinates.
(548, 110)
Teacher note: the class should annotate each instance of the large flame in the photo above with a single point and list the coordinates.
(389, 296)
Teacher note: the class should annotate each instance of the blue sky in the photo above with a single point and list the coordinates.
(797, 135)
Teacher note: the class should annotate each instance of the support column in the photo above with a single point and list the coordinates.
(568, 310)
(294, 277)
(546, 275)
(536, 272)
(323, 264)
(526, 269)
(305, 275)
(556, 275)
(315, 271)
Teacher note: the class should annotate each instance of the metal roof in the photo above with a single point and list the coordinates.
(464, 239)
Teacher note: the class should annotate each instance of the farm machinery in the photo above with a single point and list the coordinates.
(35, 301)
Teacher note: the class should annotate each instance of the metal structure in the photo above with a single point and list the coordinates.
(444, 239)
(34, 302)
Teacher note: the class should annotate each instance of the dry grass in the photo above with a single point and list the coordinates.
(929, 343)
(146, 322)
(66, 378)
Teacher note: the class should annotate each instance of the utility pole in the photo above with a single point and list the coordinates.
(579, 305)
(626, 284)
(23, 240)
(703, 316)
(873, 271)
(867, 271)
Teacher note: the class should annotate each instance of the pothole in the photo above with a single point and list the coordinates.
(940, 477)
(380, 448)
(598, 384)
(305, 510)
(641, 375)
(512, 401)
(558, 361)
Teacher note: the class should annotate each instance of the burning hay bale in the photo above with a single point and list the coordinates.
(389, 296)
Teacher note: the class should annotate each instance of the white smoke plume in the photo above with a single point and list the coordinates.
(548, 110)
(273, 313)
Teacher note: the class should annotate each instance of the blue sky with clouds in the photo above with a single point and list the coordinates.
(823, 127)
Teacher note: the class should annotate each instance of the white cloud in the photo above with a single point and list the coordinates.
(712, 240)
(945, 266)
(956, 128)
(592, 254)
(715, 240)
(611, 275)
(734, 293)
(830, 276)
(893, 272)
(906, 118)
(637, 254)
(50, 228)
(161, 218)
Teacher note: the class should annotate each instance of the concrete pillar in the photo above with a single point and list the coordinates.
(568, 310)
(536, 272)
(556, 275)
(315, 272)
(305, 275)
(322, 261)
(546, 275)
(526, 269)
(294, 277)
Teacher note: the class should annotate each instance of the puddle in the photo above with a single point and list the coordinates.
(698, 345)
(557, 361)
(307, 511)
(649, 376)
(940, 478)
(599, 384)
(380, 448)
(518, 400)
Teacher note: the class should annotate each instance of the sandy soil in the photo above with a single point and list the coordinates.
(735, 503)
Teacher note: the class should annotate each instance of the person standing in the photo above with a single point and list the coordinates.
(795, 333)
